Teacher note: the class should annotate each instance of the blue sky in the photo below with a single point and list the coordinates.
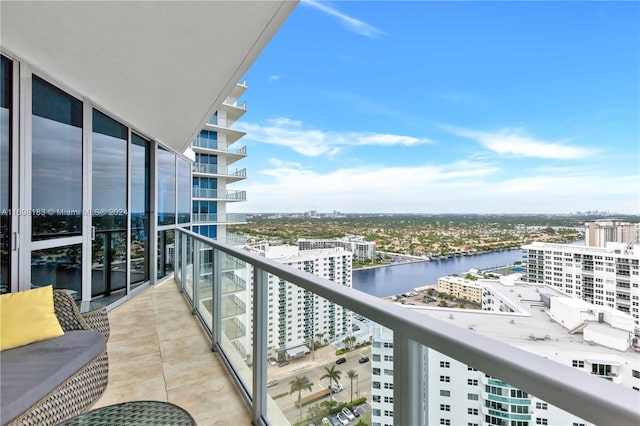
(446, 107)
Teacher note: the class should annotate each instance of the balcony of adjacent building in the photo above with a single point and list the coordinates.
(226, 148)
(234, 108)
(214, 170)
(218, 195)
(215, 218)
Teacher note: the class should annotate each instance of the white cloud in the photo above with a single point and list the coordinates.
(313, 142)
(353, 24)
(461, 187)
(513, 142)
(274, 77)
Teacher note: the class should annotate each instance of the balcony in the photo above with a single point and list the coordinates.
(232, 175)
(211, 218)
(244, 351)
(214, 194)
(216, 145)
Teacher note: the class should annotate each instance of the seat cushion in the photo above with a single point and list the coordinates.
(30, 372)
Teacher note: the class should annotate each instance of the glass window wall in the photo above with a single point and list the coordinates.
(184, 191)
(140, 158)
(109, 206)
(58, 266)
(166, 187)
(56, 162)
(5, 175)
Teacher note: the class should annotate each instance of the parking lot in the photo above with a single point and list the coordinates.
(313, 369)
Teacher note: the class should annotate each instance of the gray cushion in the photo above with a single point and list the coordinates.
(32, 371)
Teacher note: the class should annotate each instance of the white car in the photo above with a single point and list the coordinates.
(337, 387)
(343, 419)
(348, 413)
(325, 421)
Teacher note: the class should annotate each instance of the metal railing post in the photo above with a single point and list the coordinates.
(408, 373)
(260, 295)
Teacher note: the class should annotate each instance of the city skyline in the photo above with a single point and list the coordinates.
(505, 107)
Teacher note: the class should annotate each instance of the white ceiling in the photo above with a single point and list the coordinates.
(163, 67)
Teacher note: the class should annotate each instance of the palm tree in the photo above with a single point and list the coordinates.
(298, 384)
(313, 343)
(333, 375)
(352, 374)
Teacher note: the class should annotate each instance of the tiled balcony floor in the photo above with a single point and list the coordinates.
(158, 351)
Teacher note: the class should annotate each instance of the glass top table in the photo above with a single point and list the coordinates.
(138, 413)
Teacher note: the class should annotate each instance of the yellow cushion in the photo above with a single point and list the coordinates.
(27, 317)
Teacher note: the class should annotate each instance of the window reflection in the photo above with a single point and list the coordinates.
(56, 162)
(184, 191)
(140, 178)
(5, 174)
(109, 204)
(166, 252)
(166, 187)
(60, 267)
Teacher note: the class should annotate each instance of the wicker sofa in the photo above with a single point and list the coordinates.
(47, 382)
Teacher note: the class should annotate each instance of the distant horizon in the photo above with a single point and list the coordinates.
(456, 106)
(580, 214)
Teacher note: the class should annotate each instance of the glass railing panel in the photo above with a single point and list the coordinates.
(456, 393)
(188, 268)
(236, 299)
(318, 358)
(205, 306)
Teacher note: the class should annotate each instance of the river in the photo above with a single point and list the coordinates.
(400, 278)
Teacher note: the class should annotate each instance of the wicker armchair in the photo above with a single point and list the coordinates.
(82, 389)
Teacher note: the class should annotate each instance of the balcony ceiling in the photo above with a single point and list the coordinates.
(163, 67)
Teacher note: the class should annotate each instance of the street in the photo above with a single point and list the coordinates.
(313, 370)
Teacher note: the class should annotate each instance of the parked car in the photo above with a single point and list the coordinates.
(356, 328)
(342, 419)
(325, 421)
(337, 387)
(341, 360)
(363, 359)
(334, 421)
(355, 411)
(283, 363)
(273, 362)
(272, 383)
(349, 415)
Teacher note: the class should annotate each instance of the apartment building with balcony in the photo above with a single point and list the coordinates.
(598, 341)
(461, 287)
(296, 317)
(216, 150)
(604, 276)
(97, 112)
(599, 233)
(362, 250)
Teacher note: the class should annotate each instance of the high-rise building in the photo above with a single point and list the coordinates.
(215, 151)
(594, 339)
(604, 276)
(296, 317)
(362, 250)
(598, 234)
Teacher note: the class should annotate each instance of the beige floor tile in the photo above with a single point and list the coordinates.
(213, 398)
(192, 370)
(124, 350)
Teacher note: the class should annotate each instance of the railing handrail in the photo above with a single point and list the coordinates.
(588, 397)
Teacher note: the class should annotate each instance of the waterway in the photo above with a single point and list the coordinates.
(400, 278)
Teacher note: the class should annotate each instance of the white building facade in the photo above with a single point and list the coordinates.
(296, 317)
(597, 340)
(604, 276)
(598, 234)
(362, 250)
